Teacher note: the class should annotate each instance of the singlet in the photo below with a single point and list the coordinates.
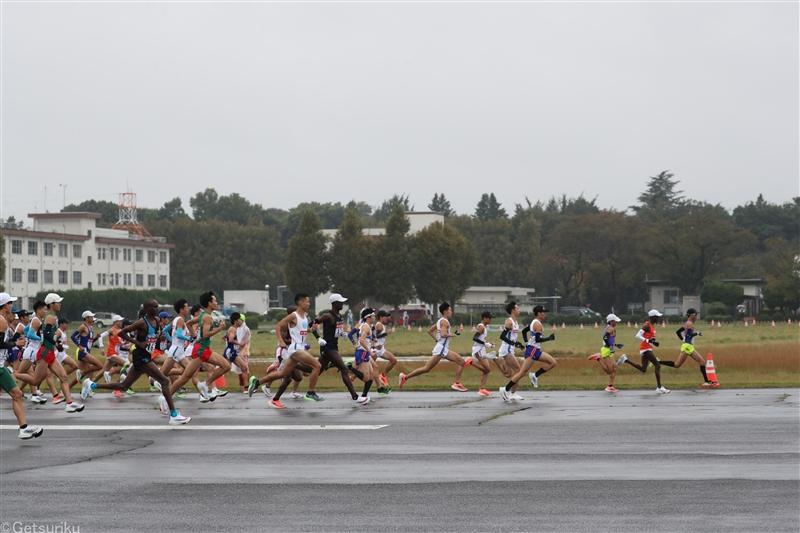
(532, 338)
(202, 341)
(512, 335)
(442, 343)
(47, 343)
(176, 333)
(689, 335)
(33, 335)
(476, 347)
(113, 342)
(63, 339)
(644, 345)
(299, 331)
(84, 341)
(379, 342)
(332, 330)
(153, 332)
(609, 340)
(7, 335)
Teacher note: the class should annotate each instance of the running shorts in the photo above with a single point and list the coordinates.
(140, 358)
(362, 356)
(202, 352)
(7, 382)
(687, 348)
(49, 356)
(533, 351)
(606, 352)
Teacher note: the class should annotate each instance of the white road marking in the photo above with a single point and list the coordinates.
(276, 427)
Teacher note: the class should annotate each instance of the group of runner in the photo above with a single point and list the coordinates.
(173, 349)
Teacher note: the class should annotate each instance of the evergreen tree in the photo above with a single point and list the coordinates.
(351, 259)
(394, 277)
(440, 204)
(660, 196)
(489, 208)
(443, 263)
(304, 270)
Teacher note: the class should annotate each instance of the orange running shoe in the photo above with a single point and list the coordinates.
(715, 384)
(383, 379)
(277, 404)
(402, 379)
(118, 394)
(484, 392)
(611, 388)
(468, 361)
(459, 387)
(594, 357)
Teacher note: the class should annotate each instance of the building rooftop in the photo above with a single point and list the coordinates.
(66, 214)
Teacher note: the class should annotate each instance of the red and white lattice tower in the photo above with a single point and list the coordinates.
(127, 215)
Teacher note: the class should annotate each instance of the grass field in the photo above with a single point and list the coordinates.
(754, 356)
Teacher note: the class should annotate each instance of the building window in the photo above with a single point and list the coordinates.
(162, 281)
(139, 256)
(99, 278)
(48, 249)
(47, 276)
(16, 247)
(126, 254)
(33, 276)
(76, 251)
(671, 296)
(63, 277)
(62, 249)
(88, 259)
(140, 280)
(33, 248)
(162, 257)
(116, 254)
(151, 280)
(126, 279)
(116, 279)
(151, 256)
(104, 280)
(77, 278)
(101, 253)
(16, 275)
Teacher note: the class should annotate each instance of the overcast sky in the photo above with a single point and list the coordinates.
(286, 103)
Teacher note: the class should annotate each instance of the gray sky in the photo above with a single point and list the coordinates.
(291, 102)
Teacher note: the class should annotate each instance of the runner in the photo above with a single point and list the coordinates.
(69, 364)
(647, 340)
(7, 383)
(480, 357)
(180, 348)
(84, 338)
(441, 333)
(533, 353)
(243, 336)
(381, 331)
(207, 327)
(506, 358)
(233, 346)
(332, 330)
(114, 361)
(363, 355)
(686, 334)
(143, 334)
(46, 355)
(33, 341)
(606, 355)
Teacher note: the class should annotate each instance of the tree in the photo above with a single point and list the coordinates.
(718, 291)
(782, 269)
(492, 242)
(393, 278)
(351, 259)
(767, 220)
(660, 197)
(386, 208)
(440, 204)
(172, 210)
(109, 211)
(489, 208)
(204, 204)
(442, 261)
(304, 270)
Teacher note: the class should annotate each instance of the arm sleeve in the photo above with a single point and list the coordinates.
(640, 335)
(504, 336)
(525, 332)
(30, 334)
(75, 336)
(477, 339)
(679, 332)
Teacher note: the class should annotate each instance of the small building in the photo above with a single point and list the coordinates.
(494, 298)
(753, 297)
(245, 301)
(64, 251)
(669, 299)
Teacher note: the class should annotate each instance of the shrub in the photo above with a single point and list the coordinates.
(717, 309)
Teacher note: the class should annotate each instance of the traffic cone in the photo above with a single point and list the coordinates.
(581, 326)
(635, 324)
(773, 323)
(596, 326)
(563, 325)
(712, 323)
(711, 371)
(554, 328)
(746, 323)
(221, 382)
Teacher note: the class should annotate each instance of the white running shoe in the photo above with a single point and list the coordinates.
(663, 390)
(157, 385)
(74, 407)
(203, 388)
(79, 375)
(516, 396)
(505, 394)
(179, 420)
(267, 391)
(163, 405)
(107, 376)
(297, 395)
(39, 399)
(212, 396)
(362, 400)
(86, 389)
(534, 379)
(622, 359)
(30, 432)
(220, 393)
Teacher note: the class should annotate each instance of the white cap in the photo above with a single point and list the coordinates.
(6, 298)
(613, 317)
(336, 297)
(87, 314)
(654, 312)
(53, 298)
(116, 318)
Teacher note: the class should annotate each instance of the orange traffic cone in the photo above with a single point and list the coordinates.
(711, 371)
(221, 382)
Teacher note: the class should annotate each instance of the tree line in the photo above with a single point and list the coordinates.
(563, 246)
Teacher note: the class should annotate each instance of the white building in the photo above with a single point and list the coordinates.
(479, 298)
(66, 251)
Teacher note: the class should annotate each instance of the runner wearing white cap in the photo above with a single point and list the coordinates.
(647, 340)
(332, 330)
(7, 383)
(84, 338)
(606, 355)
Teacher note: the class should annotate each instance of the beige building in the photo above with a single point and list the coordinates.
(65, 251)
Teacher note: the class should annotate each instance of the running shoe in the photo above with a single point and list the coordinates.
(130, 392)
(30, 432)
(383, 390)
(468, 361)
(505, 394)
(297, 395)
(74, 407)
(363, 400)
(179, 419)
(663, 390)
(157, 385)
(181, 394)
(58, 398)
(458, 386)
(87, 387)
(383, 379)
(79, 375)
(36, 398)
(517, 396)
(706, 385)
(484, 392)
(118, 394)
(107, 376)
(122, 376)
(402, 379)
(622, 359)
(277, 404)
(611, 388)
(213, 395)
(163, 405)
(153, 387)
(314, 397)
(220, 393)
(125, 367)
(594, 357)
(534, 379)
(203, 388)
(715, 384)
(267, 391)
(252, 385)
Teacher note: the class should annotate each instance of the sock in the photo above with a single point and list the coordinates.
(703, 371)
(23, 426)
(357, 373)
(174, 412)
(367, 385)
(540, 372)
(509, 385)
(668, 363)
